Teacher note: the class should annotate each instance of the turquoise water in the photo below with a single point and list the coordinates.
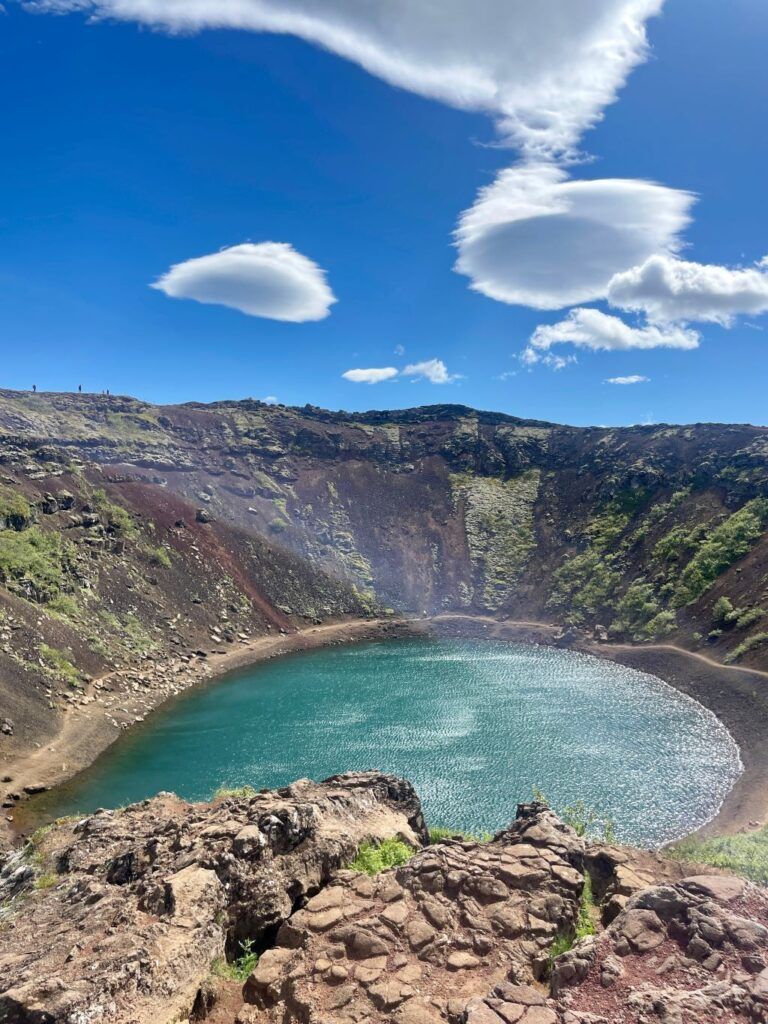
(473, 724)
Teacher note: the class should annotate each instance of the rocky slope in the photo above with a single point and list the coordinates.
(638, 529)
(123, 917)
(136, 541)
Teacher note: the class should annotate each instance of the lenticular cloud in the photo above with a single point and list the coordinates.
(545, 69)
(537, 239)
(269, 280)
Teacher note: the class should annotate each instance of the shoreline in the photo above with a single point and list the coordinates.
(738, 697)
(733, 694)
(84, 737)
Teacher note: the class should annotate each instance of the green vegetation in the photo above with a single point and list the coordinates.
(372, 858)
(239, 969)
(236, 791)
(159, 556)
(15, 510)
(750, 644)
(639, 614)
(584, 820)
(585, 923)
(64, 607)
(439, 835)
(60, 665)
(724, 613)
(584, 584)
(118, 519)
(33, 563)
(726, 544)
(46, 881)
(745, 853)
(499, 529)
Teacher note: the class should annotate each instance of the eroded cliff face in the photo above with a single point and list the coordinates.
(444, 507)
(133, 908)
(134, 536)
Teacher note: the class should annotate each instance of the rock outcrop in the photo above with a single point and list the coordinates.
(120, 918)
(419, 944)
(138, 903)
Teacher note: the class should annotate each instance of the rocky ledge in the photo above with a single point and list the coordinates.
(119, 918)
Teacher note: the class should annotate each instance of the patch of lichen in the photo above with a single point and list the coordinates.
(498, 519)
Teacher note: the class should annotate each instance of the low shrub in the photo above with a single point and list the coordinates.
(60, 665)
(750, 644)
(33, 563)
(234, 791)
(239, 969)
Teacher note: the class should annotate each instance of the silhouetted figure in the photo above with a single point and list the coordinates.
(34, 387)
(80, 388)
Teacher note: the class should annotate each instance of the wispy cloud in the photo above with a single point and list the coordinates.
(634, 378)
(545, 71)
(268, 279)
(592, 329)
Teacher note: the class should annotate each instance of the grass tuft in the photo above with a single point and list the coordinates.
(234, 791)
(375, 857)
(439, 835)
(745, 853)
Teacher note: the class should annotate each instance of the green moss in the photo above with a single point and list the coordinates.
(498, 516)
(726, 544)
(60, 665)
(118, 519)
(375, 857)
(745, 853)
(33, 563)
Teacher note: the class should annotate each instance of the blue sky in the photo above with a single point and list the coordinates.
(128, 150)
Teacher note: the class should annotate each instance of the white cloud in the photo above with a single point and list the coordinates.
(634, 378)
(373, 375)
(668, 289)
(591, 329)
(535, 238)
(270, 400)
(434, 370)
(545, 69)
(399, 350)
(270, 280)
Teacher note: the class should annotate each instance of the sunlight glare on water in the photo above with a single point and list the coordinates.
(475, 725)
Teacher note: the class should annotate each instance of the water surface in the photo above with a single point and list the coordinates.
(473, 724)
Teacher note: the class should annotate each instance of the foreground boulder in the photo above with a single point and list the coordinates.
(138, 903)
(417, 945)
